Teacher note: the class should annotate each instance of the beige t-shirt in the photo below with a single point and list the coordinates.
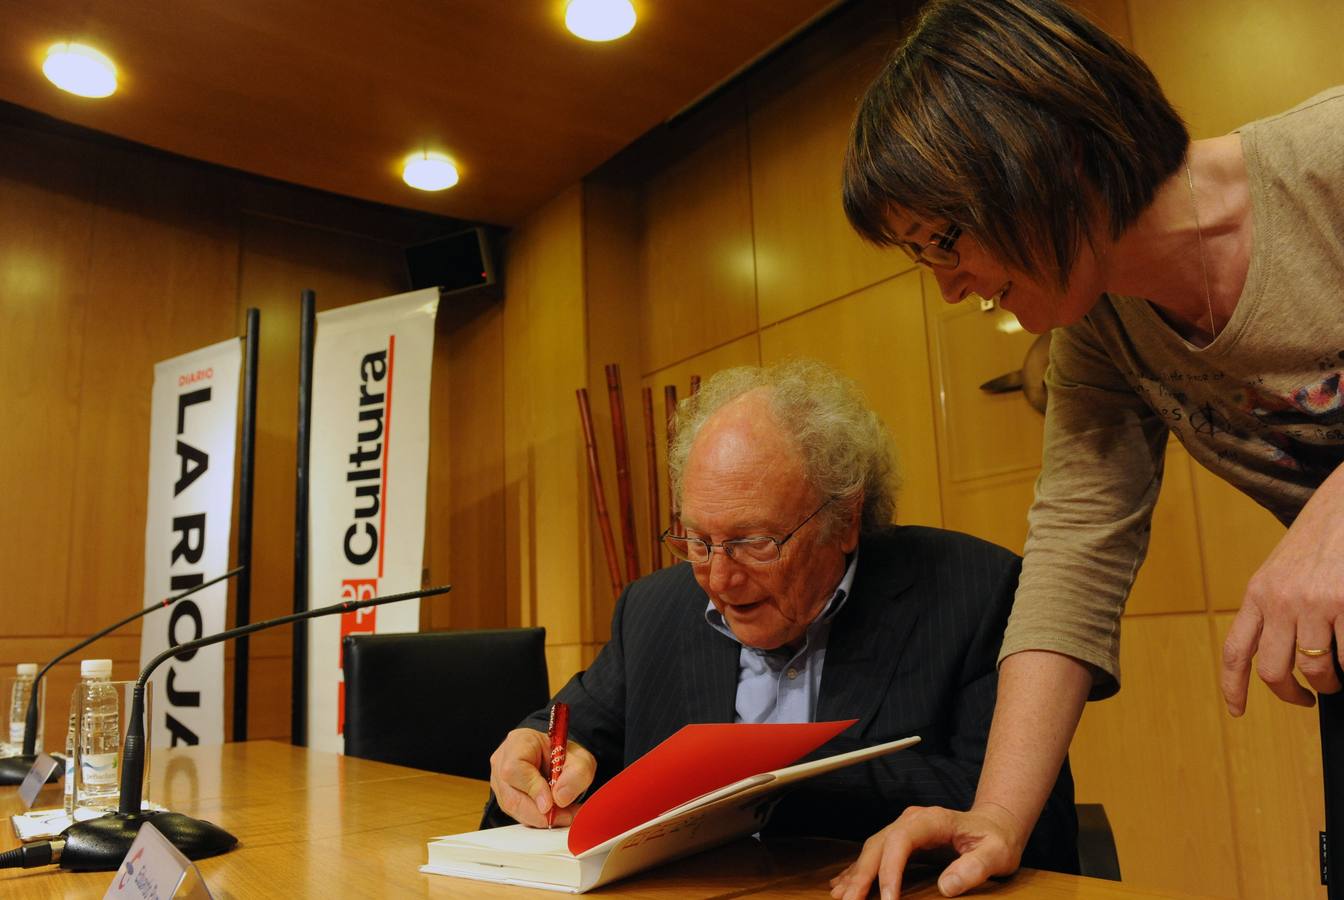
(1261, 406)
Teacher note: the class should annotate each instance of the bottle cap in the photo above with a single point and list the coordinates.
(95, 668)
(28, 669)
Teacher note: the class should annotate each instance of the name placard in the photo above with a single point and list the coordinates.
(36, 777)
(156, 870)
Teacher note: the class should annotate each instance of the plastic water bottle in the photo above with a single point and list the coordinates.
(99, 735)
(18, 702)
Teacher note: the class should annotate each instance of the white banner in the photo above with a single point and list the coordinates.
(192, 440)
(368, 463)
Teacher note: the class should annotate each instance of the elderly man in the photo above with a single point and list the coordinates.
(797, 601)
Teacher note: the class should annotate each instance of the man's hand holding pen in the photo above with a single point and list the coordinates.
(519, 769)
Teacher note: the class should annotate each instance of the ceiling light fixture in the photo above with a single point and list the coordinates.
(428, 171)
(600, 20)
(80, 69)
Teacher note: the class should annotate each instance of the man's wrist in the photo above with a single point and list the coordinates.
(1011, 823)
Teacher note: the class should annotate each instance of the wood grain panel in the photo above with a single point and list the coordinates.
(1236, 536)
(1171, 578)
(993, 508)
(877, 337)
(1278, 801)
(699, 288)
(1223, 63)
(806, 253)
(1153, 755)
(46, 186)
(1111, 15)
(165, 260)
(465, 514)
(544, 362)
(613, 279)
(981, 434)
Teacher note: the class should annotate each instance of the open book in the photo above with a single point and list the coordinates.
(703, 786)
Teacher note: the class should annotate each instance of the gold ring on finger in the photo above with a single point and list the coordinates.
(1305, 652)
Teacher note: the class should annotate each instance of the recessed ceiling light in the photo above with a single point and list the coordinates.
(427, 171)
(600, 20)
(80, 69)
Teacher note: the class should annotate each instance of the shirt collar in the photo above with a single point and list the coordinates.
(828, 612)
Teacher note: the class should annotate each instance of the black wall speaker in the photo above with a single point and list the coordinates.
(462, 261)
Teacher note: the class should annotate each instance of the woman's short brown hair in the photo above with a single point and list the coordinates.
(1020, 121)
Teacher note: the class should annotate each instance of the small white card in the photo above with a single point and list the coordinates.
(37, 776)
(154, 870)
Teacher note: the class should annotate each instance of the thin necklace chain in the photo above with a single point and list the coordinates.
(1199, 234)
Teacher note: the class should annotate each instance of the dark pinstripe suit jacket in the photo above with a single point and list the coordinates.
(913, 651)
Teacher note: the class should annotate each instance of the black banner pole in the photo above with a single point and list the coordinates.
(298, 724)
(242, 610)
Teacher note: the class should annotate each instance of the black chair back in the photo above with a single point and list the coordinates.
(441, 700)
(1096, 844)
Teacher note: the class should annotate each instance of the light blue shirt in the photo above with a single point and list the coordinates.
(775, 685)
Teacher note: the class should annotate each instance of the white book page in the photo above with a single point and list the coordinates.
(515, 839)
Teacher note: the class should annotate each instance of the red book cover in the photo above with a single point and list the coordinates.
(694, 761)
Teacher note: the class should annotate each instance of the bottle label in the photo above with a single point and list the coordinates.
(99, 768)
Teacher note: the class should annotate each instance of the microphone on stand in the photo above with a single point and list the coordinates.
(101, 844)
(13, 769)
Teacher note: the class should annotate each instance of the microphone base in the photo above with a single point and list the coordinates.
(13, 769)
(100, 845)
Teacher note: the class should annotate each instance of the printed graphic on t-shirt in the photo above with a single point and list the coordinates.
(1250, 425)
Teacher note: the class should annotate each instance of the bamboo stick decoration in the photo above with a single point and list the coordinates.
(670, 410)
(651, 463)
(624, 493)
(599, 500)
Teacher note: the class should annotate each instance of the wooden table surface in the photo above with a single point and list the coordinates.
(312, 824)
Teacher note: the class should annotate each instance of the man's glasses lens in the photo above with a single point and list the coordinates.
(694, 550)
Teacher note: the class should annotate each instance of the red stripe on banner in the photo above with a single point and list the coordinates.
(387, 448)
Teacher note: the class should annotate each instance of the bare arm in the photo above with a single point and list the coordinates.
(1295, 599)
(1040, 700)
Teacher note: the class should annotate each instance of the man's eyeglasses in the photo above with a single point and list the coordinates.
(749, 550)
(938, 253)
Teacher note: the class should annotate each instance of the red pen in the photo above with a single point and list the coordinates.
(558, 732)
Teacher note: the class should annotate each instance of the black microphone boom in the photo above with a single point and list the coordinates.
(101, 844)
(13, 769)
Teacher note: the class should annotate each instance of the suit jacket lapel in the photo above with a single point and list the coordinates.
(709, 685)
(869, 634)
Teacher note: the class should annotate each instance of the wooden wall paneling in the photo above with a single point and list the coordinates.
(981, 434)
(744, 351)
(1154, 756)
(993, 508)
(699, 264)
(1223, 63)
(877, 337)
(1278, 798)
(1111, 15)
(545, 360)
(467, 468)
(613, 280)
(164, 262)
(1171, 578)
(441, 612)
(806, 252)
(46, 188)
(1236, 536)
(123, 650)
(278, 260)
